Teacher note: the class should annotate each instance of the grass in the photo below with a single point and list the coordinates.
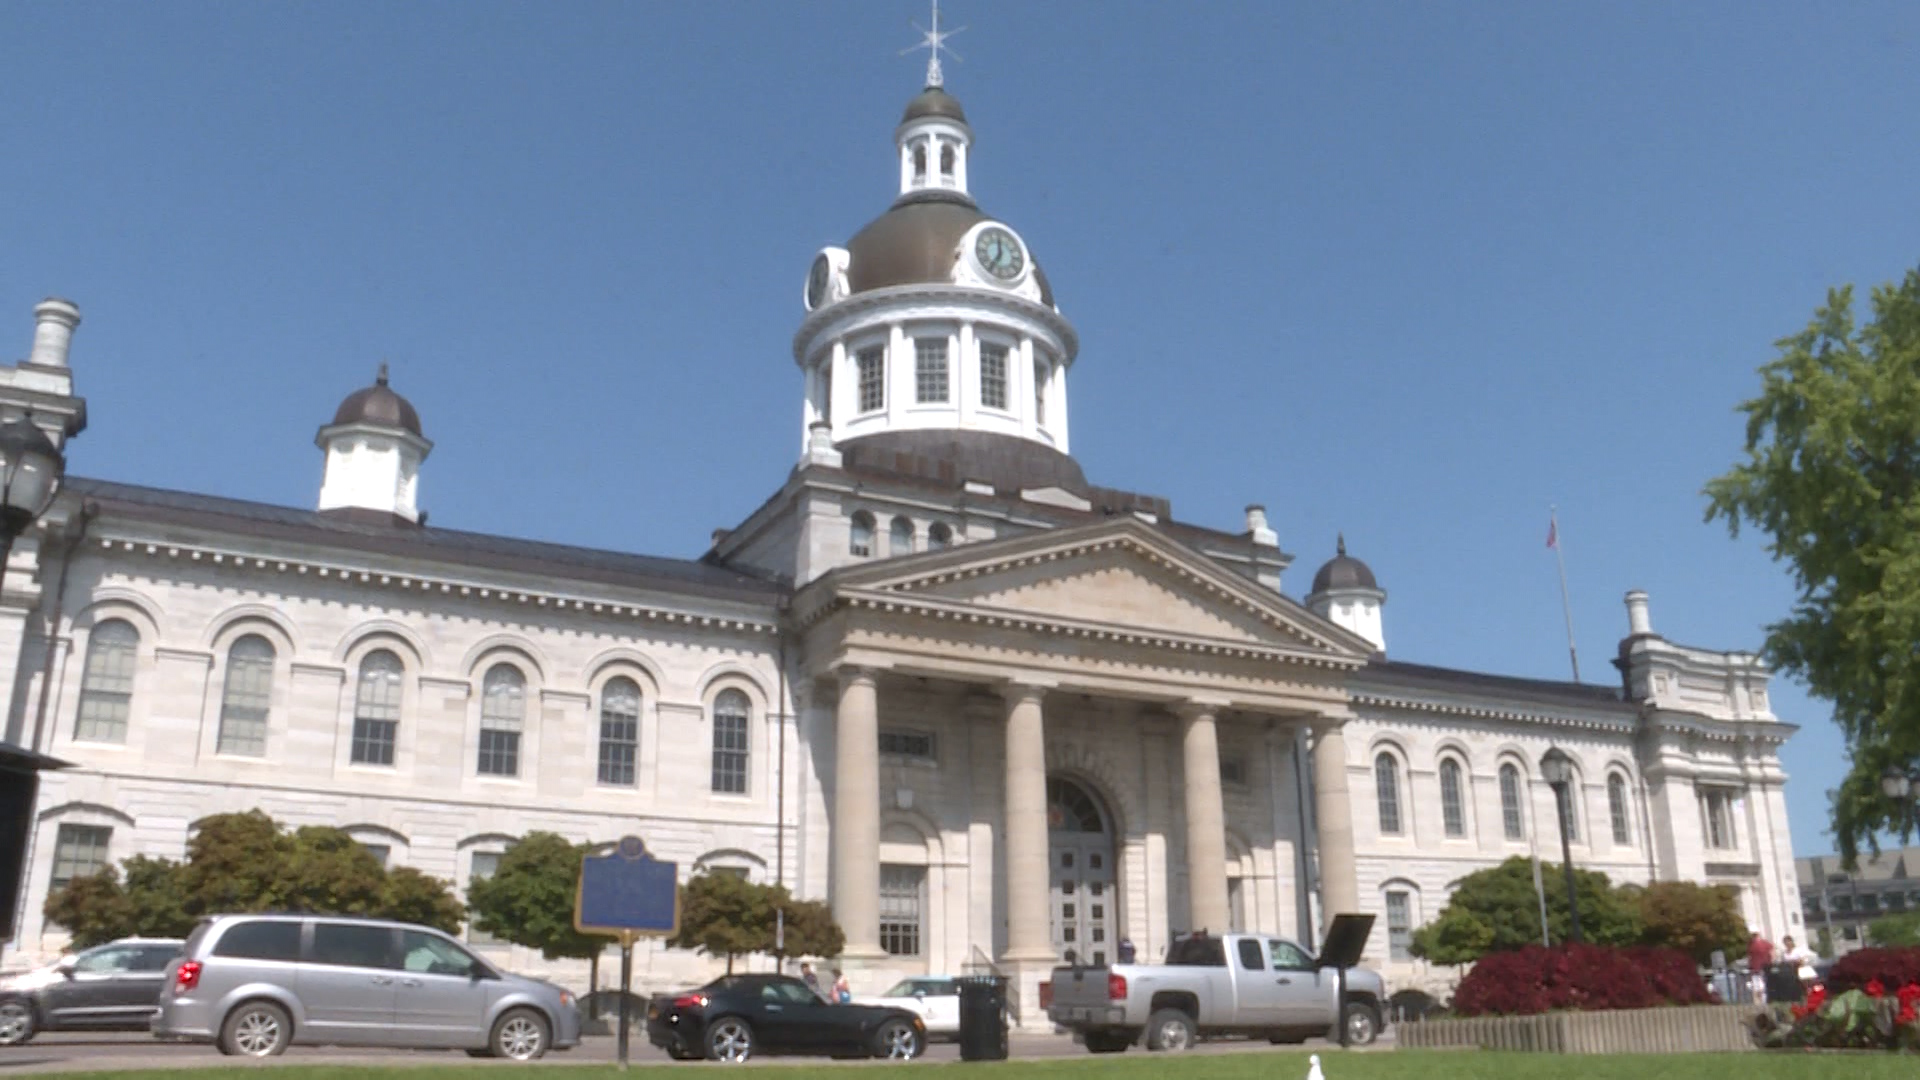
(1135, 1065)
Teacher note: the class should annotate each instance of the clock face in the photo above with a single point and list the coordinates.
(817, 283)
(999, 253)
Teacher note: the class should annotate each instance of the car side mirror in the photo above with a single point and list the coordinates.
(920, 993)
(66, 965)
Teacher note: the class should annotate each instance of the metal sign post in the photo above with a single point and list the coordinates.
(627, 895)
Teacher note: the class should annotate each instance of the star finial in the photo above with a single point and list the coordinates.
(935, 43)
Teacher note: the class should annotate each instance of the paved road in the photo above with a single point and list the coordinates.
(74, 1053)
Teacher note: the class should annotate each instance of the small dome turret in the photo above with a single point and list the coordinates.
(934, 102)
(373, 453)
(378, 405)
(1343, 571)
(1346, 594)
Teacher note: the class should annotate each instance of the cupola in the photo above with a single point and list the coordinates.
(374, 448)
(1346, 594)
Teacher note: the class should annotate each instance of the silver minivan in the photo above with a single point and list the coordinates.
(256, 984)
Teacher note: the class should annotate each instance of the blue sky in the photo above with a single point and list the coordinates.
(1411, 271)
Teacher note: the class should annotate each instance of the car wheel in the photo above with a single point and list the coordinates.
(1103, 1043)
(897, 1041)
(256, 1029)
(1170, 1029)
(729, 1039)
(520, 1035)
(16, 1022)
(1363, 1024)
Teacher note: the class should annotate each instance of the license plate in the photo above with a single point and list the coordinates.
(1081, 1012)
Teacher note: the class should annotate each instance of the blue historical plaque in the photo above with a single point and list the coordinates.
(628, 893)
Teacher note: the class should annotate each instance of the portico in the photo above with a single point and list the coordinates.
(1103, 663)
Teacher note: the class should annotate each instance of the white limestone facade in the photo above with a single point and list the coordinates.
(989, 711)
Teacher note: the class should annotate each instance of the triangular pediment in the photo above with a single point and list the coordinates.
(1122, 574)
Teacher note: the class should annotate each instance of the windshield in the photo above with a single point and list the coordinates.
(903, 988)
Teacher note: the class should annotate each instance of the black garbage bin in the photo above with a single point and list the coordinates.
(983, 1018)
(1783, 984)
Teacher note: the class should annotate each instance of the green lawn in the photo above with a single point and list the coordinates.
(1428, 1065)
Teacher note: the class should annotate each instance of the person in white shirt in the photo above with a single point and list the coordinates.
(1801, 958)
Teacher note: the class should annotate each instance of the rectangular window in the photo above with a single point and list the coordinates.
(79, 850)
(482, 866)
(353, 945)
(872, 362)
(499, 753)
(930, 370)
(1233, 770)
(619, 732)
(730, 752)
(249, 693)
(1510, 803)
(993, 375)
(1399, 926)
(901, 889)
(1716, 811)
(264, 939)
(106, 683)
(373, 740)
(906, 743)
(1040, 392)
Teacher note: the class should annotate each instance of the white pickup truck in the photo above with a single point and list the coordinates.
(1239, 984)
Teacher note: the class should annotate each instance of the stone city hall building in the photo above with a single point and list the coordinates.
(988, 709)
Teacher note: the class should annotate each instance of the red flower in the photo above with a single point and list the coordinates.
(1875, 989)
(1817, 997)
(1907, 1015)
(1801, 1012)
(1909, 993)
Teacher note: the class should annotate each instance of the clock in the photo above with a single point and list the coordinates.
(999, 253)
(817, 281)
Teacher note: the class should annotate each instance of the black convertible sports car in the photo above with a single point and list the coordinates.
(737, 1016)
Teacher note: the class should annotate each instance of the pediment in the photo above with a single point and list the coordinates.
(1121, 575)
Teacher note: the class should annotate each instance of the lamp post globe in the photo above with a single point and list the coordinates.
(1895, 785)
(30, 472)
(1556, 767)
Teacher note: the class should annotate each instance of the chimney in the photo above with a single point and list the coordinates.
(54, 322)
(1638, 622)
(1262, 533)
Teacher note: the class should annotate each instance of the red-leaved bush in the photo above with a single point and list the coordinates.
(1890, 967)
(1588, 977)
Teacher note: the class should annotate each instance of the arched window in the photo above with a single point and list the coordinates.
(1617, 809)
(900, 541)
(619, 731)
(106, 682)
(920, 163)
(503, 713)
(376, 708)
(939, 536)
(1515, 825)
(247, 696)
(1039, 391)
(731, 711)
(1386, 782)
(860, 539)
(1453, 808)
(946, 160)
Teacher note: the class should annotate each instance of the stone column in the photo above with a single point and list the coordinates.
(856, 813)
(1333, 807)
(1029, 936)
(1206, 822)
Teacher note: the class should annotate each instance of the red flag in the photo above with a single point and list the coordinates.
(1553, 532)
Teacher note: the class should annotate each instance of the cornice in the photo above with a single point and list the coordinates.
(1471, 711)
(819, 323)
(426, 583)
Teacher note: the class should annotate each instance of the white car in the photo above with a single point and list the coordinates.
(934, 998)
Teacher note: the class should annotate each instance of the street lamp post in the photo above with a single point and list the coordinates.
(30, 471)
(1902, 789)
(1557, 768)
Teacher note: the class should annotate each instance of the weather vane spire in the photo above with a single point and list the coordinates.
(935, 42)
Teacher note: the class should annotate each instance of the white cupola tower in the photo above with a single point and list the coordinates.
(933, 332)
(374, 449)
(1346, 594)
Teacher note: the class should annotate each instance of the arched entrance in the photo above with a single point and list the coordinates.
(1084, 904)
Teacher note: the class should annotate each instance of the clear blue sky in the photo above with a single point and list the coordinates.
(1412, 271)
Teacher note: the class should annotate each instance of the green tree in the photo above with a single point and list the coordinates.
(1895, 931)
(529, 898)
(93, 909)
(235, 862)
(1831, 475)
(411, 896)
(324, 869)
(724, 915)
(1696, 919)
(810, 929)
(1497, 910)
(156, 897)
(1823, 943)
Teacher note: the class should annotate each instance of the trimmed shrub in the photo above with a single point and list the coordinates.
(1584, 977)
(1889, 967)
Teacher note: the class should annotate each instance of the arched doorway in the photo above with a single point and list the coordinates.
(1084, 907)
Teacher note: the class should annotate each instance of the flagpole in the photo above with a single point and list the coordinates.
(1566, 604)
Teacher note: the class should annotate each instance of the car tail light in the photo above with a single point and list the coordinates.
(1116, 987)
(187, 976)
(690, 1001)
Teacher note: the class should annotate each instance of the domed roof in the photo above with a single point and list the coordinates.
(915, 243)
(1343, 571)
(934, 102)
(377, 404)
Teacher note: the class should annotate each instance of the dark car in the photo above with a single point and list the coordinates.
(737, 1016)
(111, 987)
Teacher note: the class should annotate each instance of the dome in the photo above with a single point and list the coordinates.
(932, 103)
(378, 405)
(915, 243)
(1344, 571)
